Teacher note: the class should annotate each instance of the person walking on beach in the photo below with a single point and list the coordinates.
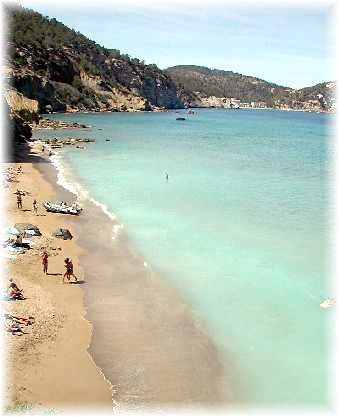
(45, 262)
(69, 271)
(35, 207)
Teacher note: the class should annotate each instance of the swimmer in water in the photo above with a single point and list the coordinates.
(166, 176)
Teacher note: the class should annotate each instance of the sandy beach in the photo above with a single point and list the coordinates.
(49, 366)
(121, 337)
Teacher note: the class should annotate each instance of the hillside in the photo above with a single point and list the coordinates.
(65, 71)
(218, 83)
(326, 89)
(206, 82)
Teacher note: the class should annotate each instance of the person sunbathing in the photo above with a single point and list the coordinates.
(26, 321)
(14, 292)
(16, 295)
(14, 328)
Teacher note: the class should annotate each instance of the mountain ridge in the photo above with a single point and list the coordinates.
(65, 71)
(207, 82)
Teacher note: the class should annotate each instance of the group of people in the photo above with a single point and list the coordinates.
(11, 174)
(14, 323)
(19, 195)
(68, 266)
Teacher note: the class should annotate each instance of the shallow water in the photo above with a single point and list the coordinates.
(241, 229)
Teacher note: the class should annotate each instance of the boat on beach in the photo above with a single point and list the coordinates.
(62, 207)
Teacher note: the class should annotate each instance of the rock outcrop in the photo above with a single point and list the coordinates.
(21, 114)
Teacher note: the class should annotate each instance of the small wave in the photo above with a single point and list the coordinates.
(116, 230)
(64, 182)
(81, 193)
(117, 227)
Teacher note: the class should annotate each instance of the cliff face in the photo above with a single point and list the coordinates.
(22, 106)
(65, 71)
(21, 112)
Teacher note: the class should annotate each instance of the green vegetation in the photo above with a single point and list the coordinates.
(29, 28)
(212, 82)
(60, 67)
(53, 64)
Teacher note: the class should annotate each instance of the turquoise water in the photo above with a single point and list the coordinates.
(240, 228)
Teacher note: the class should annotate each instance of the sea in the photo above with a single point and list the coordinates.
(234, 209)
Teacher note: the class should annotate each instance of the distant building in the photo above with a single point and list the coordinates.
(258, 104)
(235, 103)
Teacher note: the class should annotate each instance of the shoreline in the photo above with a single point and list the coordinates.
(144, 305)
(172, 377)
(45, 115)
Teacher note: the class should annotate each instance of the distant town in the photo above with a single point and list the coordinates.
(320, 104)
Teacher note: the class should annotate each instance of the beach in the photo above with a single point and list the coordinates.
(121, 337)
(49, 366)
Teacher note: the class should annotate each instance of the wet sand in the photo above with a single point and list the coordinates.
(144, 336)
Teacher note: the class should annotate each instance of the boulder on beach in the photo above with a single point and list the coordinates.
(64, 234)
(28, 228)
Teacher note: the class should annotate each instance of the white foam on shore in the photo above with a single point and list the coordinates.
(62, 180)
(81, 193)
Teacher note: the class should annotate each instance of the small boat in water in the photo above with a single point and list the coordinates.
(180, 118)
(62, 207)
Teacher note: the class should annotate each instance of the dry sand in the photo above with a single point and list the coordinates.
(49, 366)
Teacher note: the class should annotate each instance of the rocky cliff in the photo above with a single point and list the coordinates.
(65, 71)
(21, 114)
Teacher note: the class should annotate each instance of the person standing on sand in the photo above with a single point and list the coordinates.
(45, 262)
(69, 271)
(35, 207)
(18, 199)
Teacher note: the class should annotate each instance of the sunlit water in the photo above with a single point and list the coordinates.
(241, 228)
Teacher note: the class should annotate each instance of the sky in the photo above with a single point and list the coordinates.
(291, 44)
